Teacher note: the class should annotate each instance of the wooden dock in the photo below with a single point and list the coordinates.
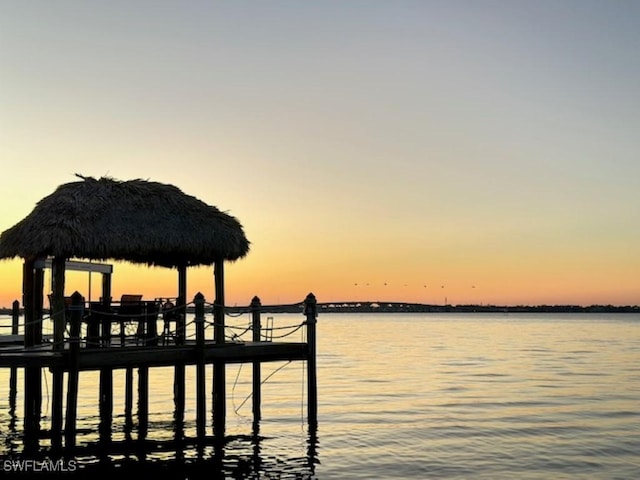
(42, 356)
(91, 346)
(76, 228)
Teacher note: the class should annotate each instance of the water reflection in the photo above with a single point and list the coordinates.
(178, 456)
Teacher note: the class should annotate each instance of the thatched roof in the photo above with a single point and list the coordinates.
(138, 221)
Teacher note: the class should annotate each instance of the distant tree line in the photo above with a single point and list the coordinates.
(401, 307)
(405, 307)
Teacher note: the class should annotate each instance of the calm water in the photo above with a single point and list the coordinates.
(409, 396)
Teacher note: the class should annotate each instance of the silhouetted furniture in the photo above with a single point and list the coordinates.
(129, 311)
(67, 304)
(149, 331)
(170, 314)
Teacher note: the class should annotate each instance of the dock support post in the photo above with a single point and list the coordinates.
(201, 408)
(56, 407)
(38, 299)
(128, 399)
(257, 394)
(219, 397)
(13, 379)
(219, 380)
(32, 375)
(218, 303)
(105, 405)
(58, 315)
(179, 377)
(77, 310)
(57, 303)
(143, 402)
(106, 374)
(178, 397)
(181, 304)
(310, 311)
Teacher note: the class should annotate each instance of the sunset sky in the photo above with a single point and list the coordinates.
(467, 151)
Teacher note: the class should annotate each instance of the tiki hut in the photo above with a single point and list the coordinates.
(138, 221)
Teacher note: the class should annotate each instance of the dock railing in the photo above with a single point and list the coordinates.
(151, 323)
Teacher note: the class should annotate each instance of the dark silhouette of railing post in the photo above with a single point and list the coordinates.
(201, 408)
(77, 311)
(181, 304)
(58, 316)
(310, 311)
(257, 394)
(106, 374)
(13, 379)
(219, 367)
(32, 375)
(179, 372)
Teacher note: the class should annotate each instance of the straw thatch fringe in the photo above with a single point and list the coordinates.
(137, 220)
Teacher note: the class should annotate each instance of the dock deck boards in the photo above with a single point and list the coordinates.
(152, 356)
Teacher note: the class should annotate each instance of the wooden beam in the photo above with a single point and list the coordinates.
(310, 305)
(77, 266)
(218, 304)
(28, 303)
(257, 381)
(182, 304)
(58, 306)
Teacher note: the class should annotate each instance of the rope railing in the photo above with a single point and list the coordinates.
(132, 324)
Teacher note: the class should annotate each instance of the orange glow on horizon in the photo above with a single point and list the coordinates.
(290, 283)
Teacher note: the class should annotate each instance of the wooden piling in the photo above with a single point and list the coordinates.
(201, 408)
(32, 375)
(181, 304)
(219, 370)
(257, 394)
(106, 374)
(58, 315)
(13, 379)
(28, 303)
(218, 304)
(77, 311)
(179, 395)
(179, 374)
(38, 289)
(310, 305)
(219, 397)
(143, 402)
(128, 399)
(57, 303)
(105, 405)
(57, 389)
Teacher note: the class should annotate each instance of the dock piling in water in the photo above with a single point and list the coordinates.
(310, 310)
(201, 407)
(77, 311)
(13, 378)
(257, 394)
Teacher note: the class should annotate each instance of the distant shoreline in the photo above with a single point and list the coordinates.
(408, 307)
(402, 307)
